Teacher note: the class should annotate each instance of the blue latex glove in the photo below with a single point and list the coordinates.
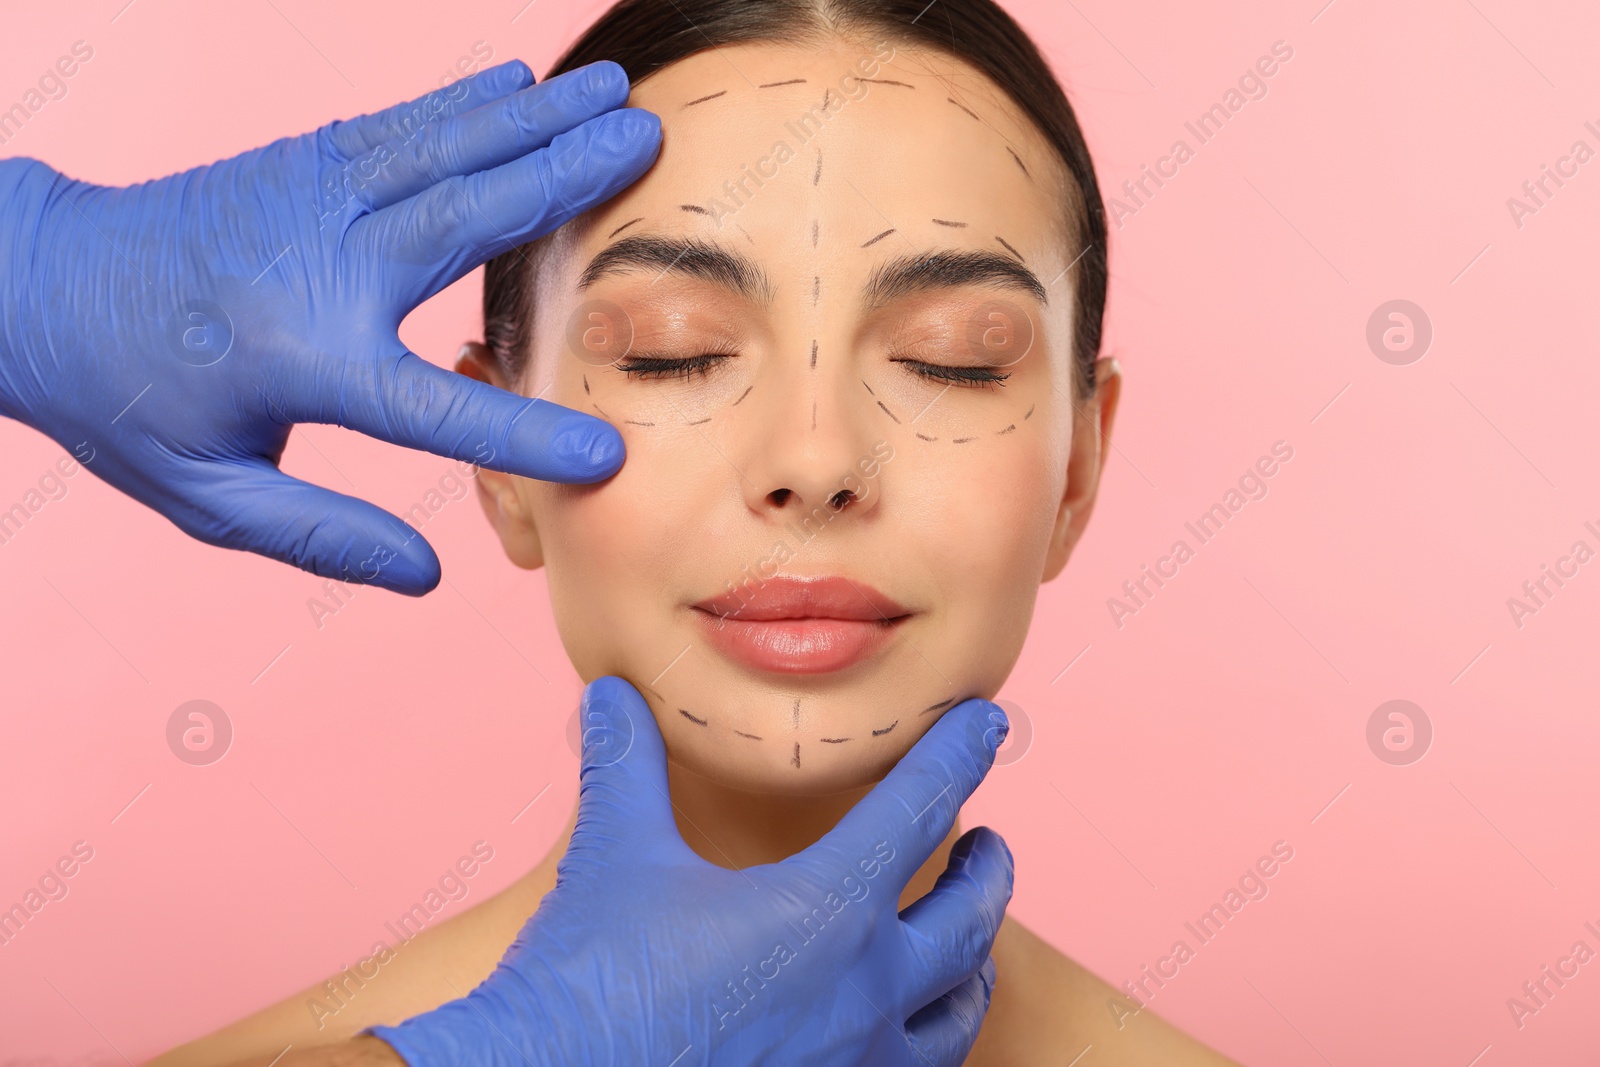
(171, 333)
(644, 953)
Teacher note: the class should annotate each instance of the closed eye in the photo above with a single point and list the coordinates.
(647, 367)
(965, 377)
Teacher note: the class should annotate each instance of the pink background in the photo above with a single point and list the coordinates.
(1223, 717)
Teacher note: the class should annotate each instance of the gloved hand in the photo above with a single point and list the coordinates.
(171, 333)
(644, 953)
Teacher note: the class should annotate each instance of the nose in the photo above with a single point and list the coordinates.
(812, 454)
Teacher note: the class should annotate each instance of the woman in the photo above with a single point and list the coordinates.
(849, 328)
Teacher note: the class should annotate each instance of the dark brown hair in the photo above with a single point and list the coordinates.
(644, 36)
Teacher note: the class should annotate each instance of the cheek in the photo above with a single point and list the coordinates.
(987, 543)
(610, 550)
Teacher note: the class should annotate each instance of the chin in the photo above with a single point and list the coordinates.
(772, 771)
(785, 741)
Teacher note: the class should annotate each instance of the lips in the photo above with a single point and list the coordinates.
(793, 625)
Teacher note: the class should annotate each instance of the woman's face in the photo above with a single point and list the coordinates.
(833, 326)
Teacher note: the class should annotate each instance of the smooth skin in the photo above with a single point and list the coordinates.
(960, 529)
(171, 333)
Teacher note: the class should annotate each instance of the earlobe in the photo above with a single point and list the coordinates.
(1091, 441)
(498, 493)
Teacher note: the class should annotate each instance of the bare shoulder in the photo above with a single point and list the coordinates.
(1048, 1009)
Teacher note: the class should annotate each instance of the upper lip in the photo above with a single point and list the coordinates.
(793, 597)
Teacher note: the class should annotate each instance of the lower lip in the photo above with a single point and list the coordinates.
(798, 646)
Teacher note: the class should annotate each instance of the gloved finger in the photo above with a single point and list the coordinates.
(942, 1033)
(495, 133)
(622, 786)
(356, 137)
(257, 508)
(915, 805)
(410, 402)
(452, 227)
(951, 930)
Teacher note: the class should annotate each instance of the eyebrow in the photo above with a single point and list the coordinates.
(931, 271)
(689, 256)
(731, 270)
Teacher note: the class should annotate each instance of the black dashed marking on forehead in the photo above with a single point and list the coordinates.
(753, 737)
(887, 81)
(878, 238)
(833, 740)
(700, 422)
(827, 97)
(1008, 429)
(817, 177)
(624, 226)
(1020, 163)
(1008, 248)
(742, 396)
(692, 718)
(965, 108)
(941, 704)
(1029, 413)
(636, 422)
(703, 99)
(925, 437)
(886, 729)
(795, 759)
(695, 208)
(889, 413)
(952, 225)
(816, 289)
(961, 440)
(816, 232)
(813, 355)
(774, 85)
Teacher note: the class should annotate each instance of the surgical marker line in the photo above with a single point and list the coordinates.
(703, 99)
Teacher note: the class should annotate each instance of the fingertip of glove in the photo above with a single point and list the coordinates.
(999, 724)
(589, 452)
(607, 689)
(607, 81)
(408, 577)
(989, 840)
(518, 74)
(630, 131)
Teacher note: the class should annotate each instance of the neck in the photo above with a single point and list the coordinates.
(735, 829)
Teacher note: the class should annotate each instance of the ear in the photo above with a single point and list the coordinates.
(1091, 438)
(498, 492)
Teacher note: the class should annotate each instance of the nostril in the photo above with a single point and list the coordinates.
(840, 499)
(779, 497)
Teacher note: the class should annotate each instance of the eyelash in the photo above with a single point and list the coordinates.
(685, 367)
(961, 377)
(655, 368)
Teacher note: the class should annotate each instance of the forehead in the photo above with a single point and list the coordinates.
(763, 140)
